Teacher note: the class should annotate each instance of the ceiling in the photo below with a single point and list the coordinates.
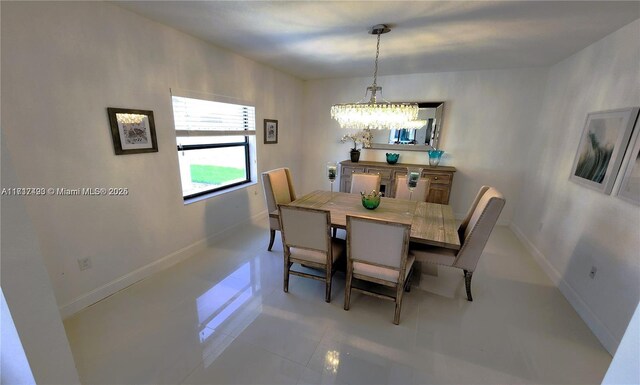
(327, 39)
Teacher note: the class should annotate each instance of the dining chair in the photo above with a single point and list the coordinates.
(474, 231)
(377, 252)
(306, 239)
(278, 189)
(419, 193)
(364, 182)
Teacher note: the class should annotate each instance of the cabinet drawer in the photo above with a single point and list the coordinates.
(347, 171)
(384, 174)
(438, 178)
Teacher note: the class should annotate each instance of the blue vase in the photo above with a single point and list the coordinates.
(434, 157)
(392, 158)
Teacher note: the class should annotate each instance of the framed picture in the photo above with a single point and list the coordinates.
(601, 149)
(270, 131)
(630, 186)
(133, 131)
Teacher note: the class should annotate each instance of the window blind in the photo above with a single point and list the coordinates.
(195, 117)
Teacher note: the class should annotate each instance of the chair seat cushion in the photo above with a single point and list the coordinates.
(433, 254)
(381, 272)
(338, 246)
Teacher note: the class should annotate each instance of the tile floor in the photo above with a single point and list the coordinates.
(221, 317)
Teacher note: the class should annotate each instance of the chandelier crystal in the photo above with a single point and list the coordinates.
(372, 114)
(414, 124)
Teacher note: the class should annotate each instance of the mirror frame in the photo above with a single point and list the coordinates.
(439, 106)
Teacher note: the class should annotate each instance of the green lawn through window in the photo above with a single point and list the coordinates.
(216, 175)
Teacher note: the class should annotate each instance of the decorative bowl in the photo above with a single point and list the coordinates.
(392, 158)
(371, 201)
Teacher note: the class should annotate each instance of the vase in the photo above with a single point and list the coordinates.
(434, 157)
(392, 158)
(355, 155)
(370, 201)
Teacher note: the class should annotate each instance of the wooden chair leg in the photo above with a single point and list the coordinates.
(399, 295)
(467, 283)
(328, 278)
(407, 285)
(287, 266)
(347, 289)
(272, 238)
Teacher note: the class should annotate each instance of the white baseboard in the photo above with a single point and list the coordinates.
(553, 274)
(165, 262)
(598, 328)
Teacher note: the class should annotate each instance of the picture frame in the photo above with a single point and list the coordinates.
(629, 189)
(601, 148)
(270, 131)
(132, 131)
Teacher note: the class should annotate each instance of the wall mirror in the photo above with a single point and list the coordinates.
(409, 139)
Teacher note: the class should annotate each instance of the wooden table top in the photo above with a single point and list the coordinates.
(431, 223)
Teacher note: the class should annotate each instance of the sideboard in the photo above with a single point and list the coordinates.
(440, 177)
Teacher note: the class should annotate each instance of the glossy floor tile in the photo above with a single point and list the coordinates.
(221, 317)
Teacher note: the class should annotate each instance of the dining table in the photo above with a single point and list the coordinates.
(431, 223)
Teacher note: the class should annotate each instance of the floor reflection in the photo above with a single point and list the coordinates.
(332, 361)
(237, 298)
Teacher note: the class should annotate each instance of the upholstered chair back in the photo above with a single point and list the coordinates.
(378, 242)
(364, 182)
(465, 222)
(278, 189)
(305, 228)
(475, 234)
(378, 252)
(419, 193)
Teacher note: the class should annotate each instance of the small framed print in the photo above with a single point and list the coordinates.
(132, 131)
(270, 131)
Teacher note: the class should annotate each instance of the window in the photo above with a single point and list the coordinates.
(215, 143)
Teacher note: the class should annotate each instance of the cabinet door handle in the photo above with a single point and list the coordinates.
(435, 178)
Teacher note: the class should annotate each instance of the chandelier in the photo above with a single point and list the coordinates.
(373, 114)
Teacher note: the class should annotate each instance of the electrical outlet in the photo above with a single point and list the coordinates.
(84, 263)
(592, 273)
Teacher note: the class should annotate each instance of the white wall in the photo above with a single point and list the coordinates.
(30, 301)
(625, 366)
(569, 227)
(63, 64)
(14, 367)
(488, 115)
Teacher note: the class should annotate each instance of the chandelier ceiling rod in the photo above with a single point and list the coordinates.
(372, 114)
(377, 30)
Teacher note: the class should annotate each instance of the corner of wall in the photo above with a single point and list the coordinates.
(598, 328)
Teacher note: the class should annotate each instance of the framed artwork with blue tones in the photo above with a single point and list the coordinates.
(602, 146)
